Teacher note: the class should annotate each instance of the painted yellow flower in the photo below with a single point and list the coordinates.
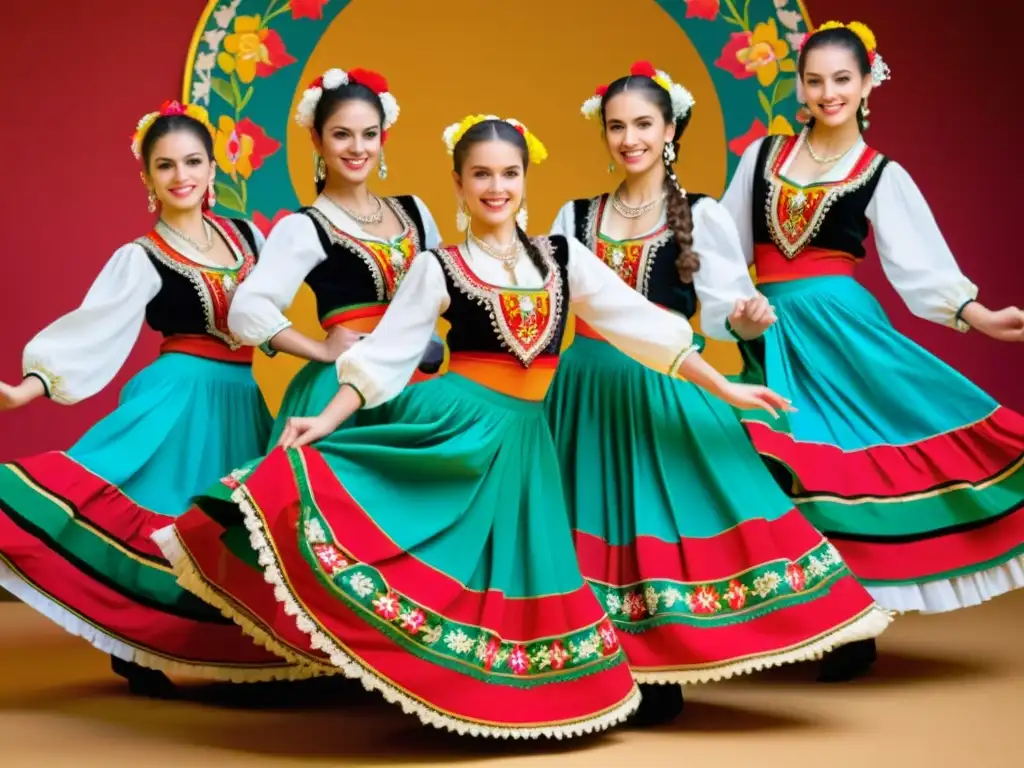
(780, 126)
(245, 49)
(766, 54)
(232, 149)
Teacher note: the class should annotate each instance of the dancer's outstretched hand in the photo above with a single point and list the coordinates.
(748, 396)
(303, 431)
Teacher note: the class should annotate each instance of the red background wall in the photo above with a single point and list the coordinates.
(73, 88)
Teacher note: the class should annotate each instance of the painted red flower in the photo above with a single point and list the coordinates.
(277, 55)
(756, 131)
(796, 576)
(518, 661)
(264, 225)
(558, 655)
(702, 9)
(387, 606)
(730, 59)
(609, 640)
(413, 620)
(736, 595)
(308, 9)
(375, 81)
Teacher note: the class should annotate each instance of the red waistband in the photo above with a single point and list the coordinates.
(199, 345)
(773, 267)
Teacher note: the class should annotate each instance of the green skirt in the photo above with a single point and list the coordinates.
(697, 555)
(426, 551)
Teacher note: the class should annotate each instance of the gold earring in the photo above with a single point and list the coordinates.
(461, 217)
(320, 169)
(152, 201)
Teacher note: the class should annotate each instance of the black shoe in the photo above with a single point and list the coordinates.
(142, 681)
(848, 662)
(660, 704)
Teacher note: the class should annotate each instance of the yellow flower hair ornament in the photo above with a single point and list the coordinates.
(538, 153)
(194, 111)
(879, 69)
(682, 99)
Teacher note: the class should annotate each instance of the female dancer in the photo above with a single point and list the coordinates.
(351, 247)
(426, 550)
(75, 527)
(699, 558)
(921, 495)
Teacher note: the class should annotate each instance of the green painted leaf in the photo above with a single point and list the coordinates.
(223, 89)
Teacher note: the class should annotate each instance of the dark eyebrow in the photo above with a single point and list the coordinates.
(171, 160)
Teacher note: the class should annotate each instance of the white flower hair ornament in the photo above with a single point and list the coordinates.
(682, 99)
(336, 78)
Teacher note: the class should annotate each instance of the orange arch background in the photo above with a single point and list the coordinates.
(533, 60)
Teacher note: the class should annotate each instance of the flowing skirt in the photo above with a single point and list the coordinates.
(911, 470)
(697, 555)
(75, 527)
(425, 551)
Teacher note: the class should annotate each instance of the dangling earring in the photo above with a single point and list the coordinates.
(152, 202)
(462, 218)
(611, 167)
(319, 168)
(864, 112)
(211, 196)
(669, 153)
(522, 217)
(382, 169)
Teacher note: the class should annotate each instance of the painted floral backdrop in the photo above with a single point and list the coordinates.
(247, 64)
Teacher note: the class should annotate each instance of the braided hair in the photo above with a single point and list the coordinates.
(677, 209)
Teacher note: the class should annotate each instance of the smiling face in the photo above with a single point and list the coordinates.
(635, 131)
(350, 141)
(492, 182)
(180, 170)
(833, 84)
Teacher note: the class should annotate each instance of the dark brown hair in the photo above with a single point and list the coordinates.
(499, 130)
(677, 210)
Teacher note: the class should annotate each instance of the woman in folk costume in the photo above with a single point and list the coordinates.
(911, 471)
(699, 558)
(426, 550)
(351, 247)
(75, 526)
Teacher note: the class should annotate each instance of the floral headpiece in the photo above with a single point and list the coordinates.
(682, 99)
(537, 151)
(168, 108)
(879, 69)
(335, 78)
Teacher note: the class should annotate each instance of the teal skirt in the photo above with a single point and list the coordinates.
(425, 550)
(698, 556)
(75, 527)
(914, 473)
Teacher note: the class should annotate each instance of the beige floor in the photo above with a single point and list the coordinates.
(948, 691)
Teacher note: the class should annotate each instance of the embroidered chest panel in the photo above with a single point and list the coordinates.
(214, 286)
(795, 213)
(525, 320)
(632, 260)
(387, 263)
